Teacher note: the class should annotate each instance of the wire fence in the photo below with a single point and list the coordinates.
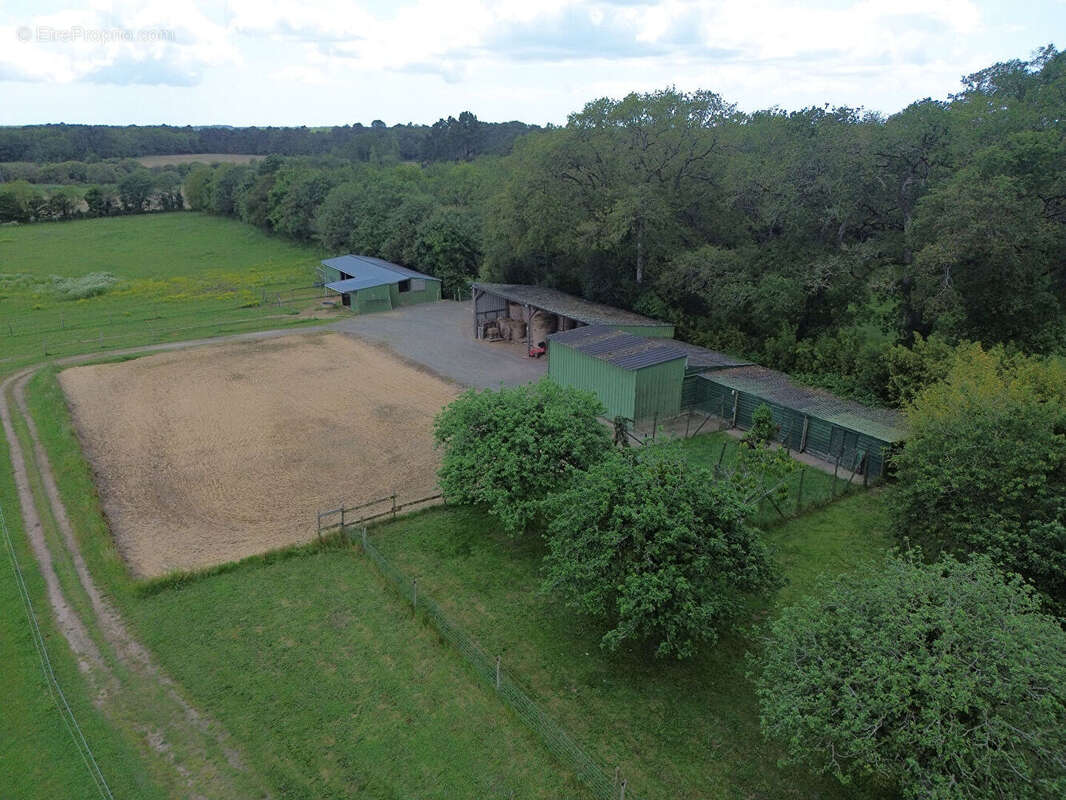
(493, 673)
(51, 680)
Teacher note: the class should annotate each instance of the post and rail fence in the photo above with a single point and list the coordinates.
(346, 516)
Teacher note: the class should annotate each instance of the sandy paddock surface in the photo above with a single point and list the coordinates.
(209, 455)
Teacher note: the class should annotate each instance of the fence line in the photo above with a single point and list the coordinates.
(54, 688)
(344, 521)
(491, 670)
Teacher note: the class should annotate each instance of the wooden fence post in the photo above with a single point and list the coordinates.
(622, 794)
(497, 673)
(414, 592)
(364, 538)
(803, 436)
(394, 505)
(799, 493)
(736, 402)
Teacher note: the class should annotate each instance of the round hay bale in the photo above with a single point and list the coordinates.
(516, 311)
(541, 325)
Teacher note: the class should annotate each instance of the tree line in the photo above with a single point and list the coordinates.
(824, 242)
(452, 139)
(838, 245)
(73, 190)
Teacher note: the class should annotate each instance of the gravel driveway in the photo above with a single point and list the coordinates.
(440, 336)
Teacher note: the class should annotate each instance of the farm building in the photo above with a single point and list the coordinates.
(531, 313)
(810, 420)
(368, 284)
(634, 377)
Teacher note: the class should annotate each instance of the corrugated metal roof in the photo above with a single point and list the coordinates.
(709, 359)
(776, 387)
(355, 284)
(367, 272)
(619, 348)
(567, 305)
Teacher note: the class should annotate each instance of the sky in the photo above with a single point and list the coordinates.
(336, 62)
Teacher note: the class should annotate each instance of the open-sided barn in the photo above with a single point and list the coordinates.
(368, 284)
(540, 311)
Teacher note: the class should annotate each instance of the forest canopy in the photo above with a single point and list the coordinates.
(836, 244)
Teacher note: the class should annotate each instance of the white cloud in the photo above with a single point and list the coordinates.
(122, 43)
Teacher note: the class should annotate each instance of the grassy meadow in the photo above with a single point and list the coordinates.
(101, 284)
(331, 686)
(677, 729)
(805, 488)
(321, 675)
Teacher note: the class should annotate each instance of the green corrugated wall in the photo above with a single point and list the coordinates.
(615, 387)
(658, 389)
(825, 439)
(376, 298)
(634, 394)
(430, 294)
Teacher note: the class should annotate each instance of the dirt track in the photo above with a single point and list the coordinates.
(217, 453)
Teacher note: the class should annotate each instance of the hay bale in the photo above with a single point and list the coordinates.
(516, 311)
(541, 325)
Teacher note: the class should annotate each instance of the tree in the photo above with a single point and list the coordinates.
(99, 204)
(942, 679)
(508, 449)
(448, 246)
(135, 191)
(984, 468)
(295, 198)
(199, 188)
(657, 550)
(983, 255)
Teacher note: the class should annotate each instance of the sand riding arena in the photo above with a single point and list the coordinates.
(208, 455)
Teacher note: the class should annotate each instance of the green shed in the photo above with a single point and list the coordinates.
(856, 437)
(368, 284)
(633, 376)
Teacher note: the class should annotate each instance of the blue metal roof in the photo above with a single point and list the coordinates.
(368, 272)
(616, 347)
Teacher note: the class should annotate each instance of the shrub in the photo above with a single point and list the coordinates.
(509, 449)
(91, 285)
(658, 550)
(763, 428)
(942, 679)
(984, 470)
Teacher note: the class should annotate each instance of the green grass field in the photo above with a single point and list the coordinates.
(329, 684)
(806, 488)
(325, 680)
(177, 276)
(38, 754)
(679, 730)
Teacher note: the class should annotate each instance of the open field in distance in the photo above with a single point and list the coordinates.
(198, 158)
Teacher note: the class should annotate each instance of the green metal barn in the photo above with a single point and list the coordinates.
(633, 376)
(856, 437)
(368, 284)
